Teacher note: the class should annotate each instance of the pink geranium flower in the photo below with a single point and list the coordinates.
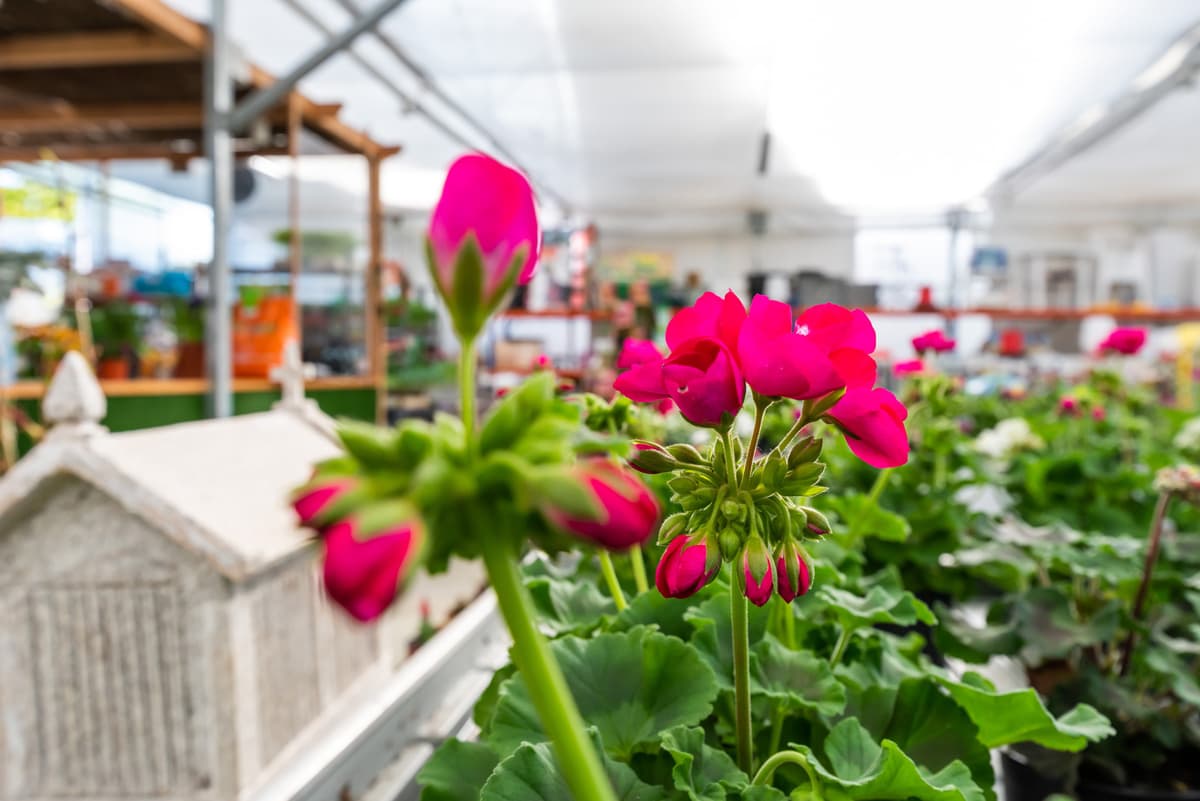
(873, 422)
(934, 341)
(1126, 341)
(362, 573)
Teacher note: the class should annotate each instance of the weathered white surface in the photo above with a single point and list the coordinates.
(74, 395)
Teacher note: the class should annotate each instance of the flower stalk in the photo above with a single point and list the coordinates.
(1139, 602)
(610, 579)
(639, 569)
(740, 618)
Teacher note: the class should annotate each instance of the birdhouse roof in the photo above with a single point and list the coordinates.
(219, 488)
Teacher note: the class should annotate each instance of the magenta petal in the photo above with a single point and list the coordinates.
(832, 327)
(637, 351)
(873, 422)
(628, 510)
(711, 317)
(643, 383)
(363, 576)
(855, 368)
(493, 201)
(703, 379)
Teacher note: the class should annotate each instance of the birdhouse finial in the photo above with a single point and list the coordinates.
(74, 398)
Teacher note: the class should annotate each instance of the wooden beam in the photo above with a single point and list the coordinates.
(119, 151)
(165, 20)
(64, 117)
(375, 330)
(91, 50)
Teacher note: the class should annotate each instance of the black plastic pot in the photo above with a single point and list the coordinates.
(1023, 783)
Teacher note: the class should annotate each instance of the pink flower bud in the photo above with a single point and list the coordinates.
(756, 571)
(483, 238)
(652, 459)
(793, 576)
(1068, 405)
(688, 563)
(363, 573)
(627, 511)
(873, 422)
(1099, 414)
(318, 497)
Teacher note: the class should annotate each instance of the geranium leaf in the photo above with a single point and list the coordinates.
(457, 771)
(879, 605)
(1048, 625)
(958, 638)
(863, 770)
(652, 609)
(866, 518)
(629, 685)
(531, 773)
(1020, 716)
(799, 679)
(568, 606)
(701, 772)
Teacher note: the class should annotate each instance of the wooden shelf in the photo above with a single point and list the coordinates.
(149, 387)
(1127, 314)
(555, 314)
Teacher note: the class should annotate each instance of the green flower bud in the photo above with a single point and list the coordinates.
(816, 523)
(730, 543)
(651, 459)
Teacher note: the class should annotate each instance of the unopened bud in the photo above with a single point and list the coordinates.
(651, 459)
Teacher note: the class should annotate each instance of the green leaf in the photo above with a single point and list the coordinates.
(652, 609)
(371, 445)
(881, 604)
(457, 771)
(568, 605)
(531, 773)
(867, 518)
(485, 707)
(1020, 716)
(863, 770)
(958, 638)
(507, 420)
(701, 772)
(629, 685)
(1050, 629)
(799, 679)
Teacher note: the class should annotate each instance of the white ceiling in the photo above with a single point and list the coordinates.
(647, 116)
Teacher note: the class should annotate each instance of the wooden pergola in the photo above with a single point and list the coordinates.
(100, 80)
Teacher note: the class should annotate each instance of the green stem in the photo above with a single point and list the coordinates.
(777, 727)
(760, 410)
(840, 648)
(556, 708)
(739, 617)
(730, 466)
(610, 578)
(784, 758)
(789, 626)
(881, 481)
(940, 470)
(794, 431)
(639, 569)
(466, 388)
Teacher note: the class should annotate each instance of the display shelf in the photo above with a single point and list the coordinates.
(1132, 315)
(147, 387)
(594, 314)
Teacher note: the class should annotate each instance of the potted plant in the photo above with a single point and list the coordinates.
(187, 317)
(1110, 620)
(116, 333)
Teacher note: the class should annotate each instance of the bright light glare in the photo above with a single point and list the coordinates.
(922, 104)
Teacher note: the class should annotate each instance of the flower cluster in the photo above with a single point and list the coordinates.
(1125, 341)
(933, 341)
(1181, 479)
(1008, 438)
(718, 348)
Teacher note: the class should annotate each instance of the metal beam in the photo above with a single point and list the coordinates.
(266, 98)
(219, 144)
(1175, 68)
(432, 88)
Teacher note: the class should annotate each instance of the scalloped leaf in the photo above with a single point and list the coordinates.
(630, 685)
(799, 679)
(531, 773)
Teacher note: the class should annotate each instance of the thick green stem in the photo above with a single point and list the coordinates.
(730, 465)
(783, 758)
(610, 578)
(466, 388)
(760, 410)
(739, 617)
(840, 648)
(639, 569)
(552, 698)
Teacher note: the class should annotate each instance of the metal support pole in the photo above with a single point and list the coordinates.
(954, 221)
(219, 91)
(268, 97)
